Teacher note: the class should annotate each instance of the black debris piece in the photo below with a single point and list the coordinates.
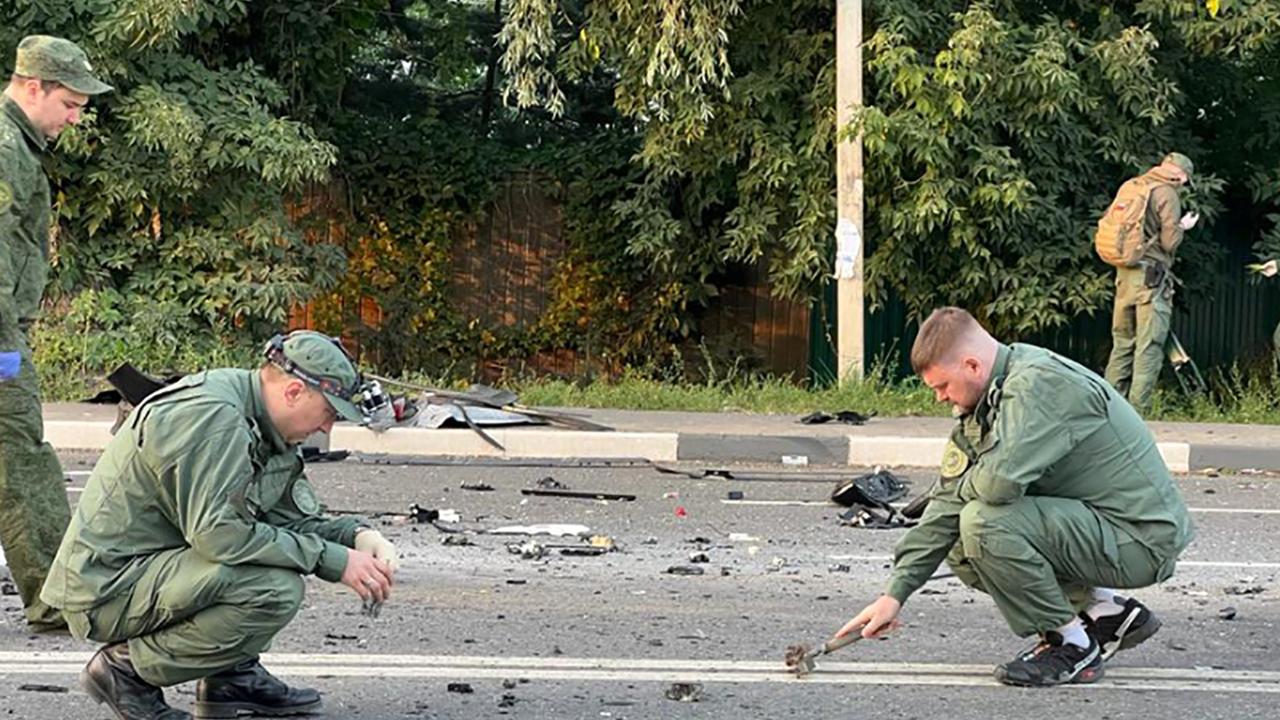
(419, 514)
(583, 494)
(33, 687)
(456, 541)
(848, 417)
(876, 489)
(735, 495)
(684, 570)
(1245, 590)
(685, 692)
(339, 636)
(477, 487)
(507, 701)
(584, 551)
(8, 588)
(699, 558)
(550, 483)
(1227, 613)
(461, 687)
(316, 455)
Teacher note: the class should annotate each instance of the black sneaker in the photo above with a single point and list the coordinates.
(1127, 628)
(1053, 662)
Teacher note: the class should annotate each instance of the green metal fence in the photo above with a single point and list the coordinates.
(1232, 324)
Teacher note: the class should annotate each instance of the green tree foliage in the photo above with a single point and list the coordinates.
(171, 196)
(995, 132)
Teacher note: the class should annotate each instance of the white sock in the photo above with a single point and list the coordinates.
(1105, 602)
(1074, 633)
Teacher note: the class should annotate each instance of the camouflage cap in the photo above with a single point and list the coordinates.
(45, 57)
(1182, 162)
(323, 358)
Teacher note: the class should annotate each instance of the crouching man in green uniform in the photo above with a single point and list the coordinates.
(187, 550)
(1052, 494)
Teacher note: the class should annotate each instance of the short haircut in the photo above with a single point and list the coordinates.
(939, 335)
(46, 86)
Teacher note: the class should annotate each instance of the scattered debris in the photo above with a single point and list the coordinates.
(848, 417)
(699, 540)
(1212, 472)
(685, 692)
(673, 495)
(776, 564)
(316, 455)
(507, 701)
(8, 588)
(1227, 613)
(461, 687)
(742, 537)
(477, 487)
(585, 494)
(1244, 590)
(1175, 646)
(509, 684)
(684, 570)
(724, 572)
(875, 489)
(681, 512)
(559, 530)
(865, 517)
(339, 636)
(456, 541)
(602, 541)
(795, 459)
(838, 568)
(584, 551)
(34, 687)
(736, 495)
(550, 483)
(528, 550)
(699, 557)
(419, 514)
(370, 608)
(649, 541)
(517, 582)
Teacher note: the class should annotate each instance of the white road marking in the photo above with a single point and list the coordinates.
(1181, 563)
(827, 503)
(676, 670)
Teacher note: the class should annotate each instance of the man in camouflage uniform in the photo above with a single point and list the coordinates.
(187, 550)
(1052, 493)
(52, 81)
(1144, 294)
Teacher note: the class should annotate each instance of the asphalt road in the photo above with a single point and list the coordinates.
(607, 636)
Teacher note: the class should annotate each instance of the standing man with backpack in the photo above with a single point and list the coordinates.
(1139, 235)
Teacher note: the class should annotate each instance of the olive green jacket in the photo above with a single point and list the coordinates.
(24, 224)
(197, 465)
(1047, 426)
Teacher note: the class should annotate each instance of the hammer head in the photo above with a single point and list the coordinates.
(800, 659)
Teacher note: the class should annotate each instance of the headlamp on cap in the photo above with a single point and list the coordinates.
(366, 396)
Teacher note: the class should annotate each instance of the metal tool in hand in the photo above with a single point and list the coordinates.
(801, 660)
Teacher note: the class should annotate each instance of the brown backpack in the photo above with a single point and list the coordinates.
(1119, 239)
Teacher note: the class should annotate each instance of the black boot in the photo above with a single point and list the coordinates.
(110, 678)
(249, 688)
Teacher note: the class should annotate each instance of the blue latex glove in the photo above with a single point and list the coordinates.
(10, 364)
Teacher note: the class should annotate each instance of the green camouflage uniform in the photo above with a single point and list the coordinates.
(1140, 319)
(1052, 486)
(33, 500)
(194, 531)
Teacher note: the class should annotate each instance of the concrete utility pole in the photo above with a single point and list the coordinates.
(850, 349)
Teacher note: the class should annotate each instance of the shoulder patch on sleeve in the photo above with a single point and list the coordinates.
(304, 497)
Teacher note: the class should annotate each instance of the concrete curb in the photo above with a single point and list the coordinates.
(857, 450)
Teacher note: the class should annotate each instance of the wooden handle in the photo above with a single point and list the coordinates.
(836, 643)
